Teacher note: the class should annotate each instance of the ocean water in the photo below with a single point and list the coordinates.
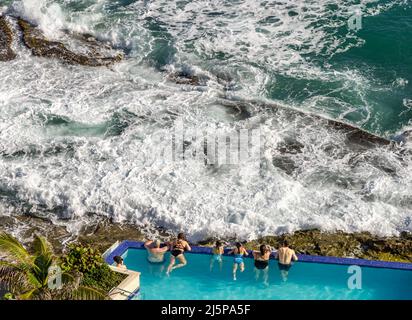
(77, 143)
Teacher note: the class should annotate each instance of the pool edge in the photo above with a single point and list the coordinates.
(121, 248)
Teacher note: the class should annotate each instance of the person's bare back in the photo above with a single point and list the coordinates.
(286, 255)
(155, 253)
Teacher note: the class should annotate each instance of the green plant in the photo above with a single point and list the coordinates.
(8, 296)
(89, 262)
(103, 278)
(26, 276)
(83, 259)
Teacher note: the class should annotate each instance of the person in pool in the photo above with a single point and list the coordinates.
(155, 253)
(239, 251)
(119, 262)
(285, 255)
(218, 251)
(177, 248)
(262, 262)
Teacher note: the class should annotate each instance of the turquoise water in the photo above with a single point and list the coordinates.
(312, 281)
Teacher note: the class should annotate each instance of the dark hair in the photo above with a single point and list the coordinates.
(263, 249)
(238, 245)
(218, 244)
(181, 236)
(118, 259)
(285, 243)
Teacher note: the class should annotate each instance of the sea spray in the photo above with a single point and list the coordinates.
(99, 161)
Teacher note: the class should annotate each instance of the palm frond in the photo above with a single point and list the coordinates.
(14, 249)
(14, 279)
(87, 293)
(28, 295)
(18, 266)
(33, 278)
(42, 247)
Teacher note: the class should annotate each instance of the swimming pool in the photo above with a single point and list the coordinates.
(305, 280)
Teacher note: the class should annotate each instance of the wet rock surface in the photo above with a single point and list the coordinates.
(102, 233)
(186, 78)
(355, 137)
(340, 244)
(6, 39)
(40, 46)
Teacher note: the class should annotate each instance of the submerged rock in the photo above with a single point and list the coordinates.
(40, 46)
(354, 135)
(238, 110)
(357, 135)
(6, 39)
(285, 163)
(188, 78)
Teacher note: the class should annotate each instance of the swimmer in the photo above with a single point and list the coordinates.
(178, 248)
(218, 251)
(239, 251)
(262, 262)
(155, 253)
(285, 255)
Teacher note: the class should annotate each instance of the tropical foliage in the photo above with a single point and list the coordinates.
(81, 258)
(26, 274)
(89, 262)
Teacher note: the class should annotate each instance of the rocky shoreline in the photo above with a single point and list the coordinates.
(6, 40)
(103, 233)
(98, 53)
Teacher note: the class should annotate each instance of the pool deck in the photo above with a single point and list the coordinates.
(128, 287)
(119, 249)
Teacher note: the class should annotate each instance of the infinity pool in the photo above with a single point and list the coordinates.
(305, 280)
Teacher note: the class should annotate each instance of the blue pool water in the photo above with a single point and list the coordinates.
(305, 280)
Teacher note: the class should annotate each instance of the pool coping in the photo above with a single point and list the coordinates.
(121, 248)
(128, 288)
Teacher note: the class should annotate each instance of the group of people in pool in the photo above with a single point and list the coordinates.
(177, 248)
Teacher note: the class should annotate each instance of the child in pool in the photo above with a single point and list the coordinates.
(239, 251)
(218, 251)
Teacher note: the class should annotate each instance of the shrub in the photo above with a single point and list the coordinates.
(88, 261)
(103, 278)
(81, 258)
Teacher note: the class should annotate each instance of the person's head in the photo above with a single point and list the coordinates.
(181, 236)
(285, 243)
(118, 259)
(238, 245)
(263, 249)
(219, 244)
(157, 243)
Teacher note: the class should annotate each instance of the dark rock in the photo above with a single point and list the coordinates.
(187, 78)
(101, 233)
(6, 39)
(284, 163)
(238, 110)
(40, 46)
(290, 146)
(340, 244)
(357, 135)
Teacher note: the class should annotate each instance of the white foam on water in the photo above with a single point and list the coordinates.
(47, 170)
